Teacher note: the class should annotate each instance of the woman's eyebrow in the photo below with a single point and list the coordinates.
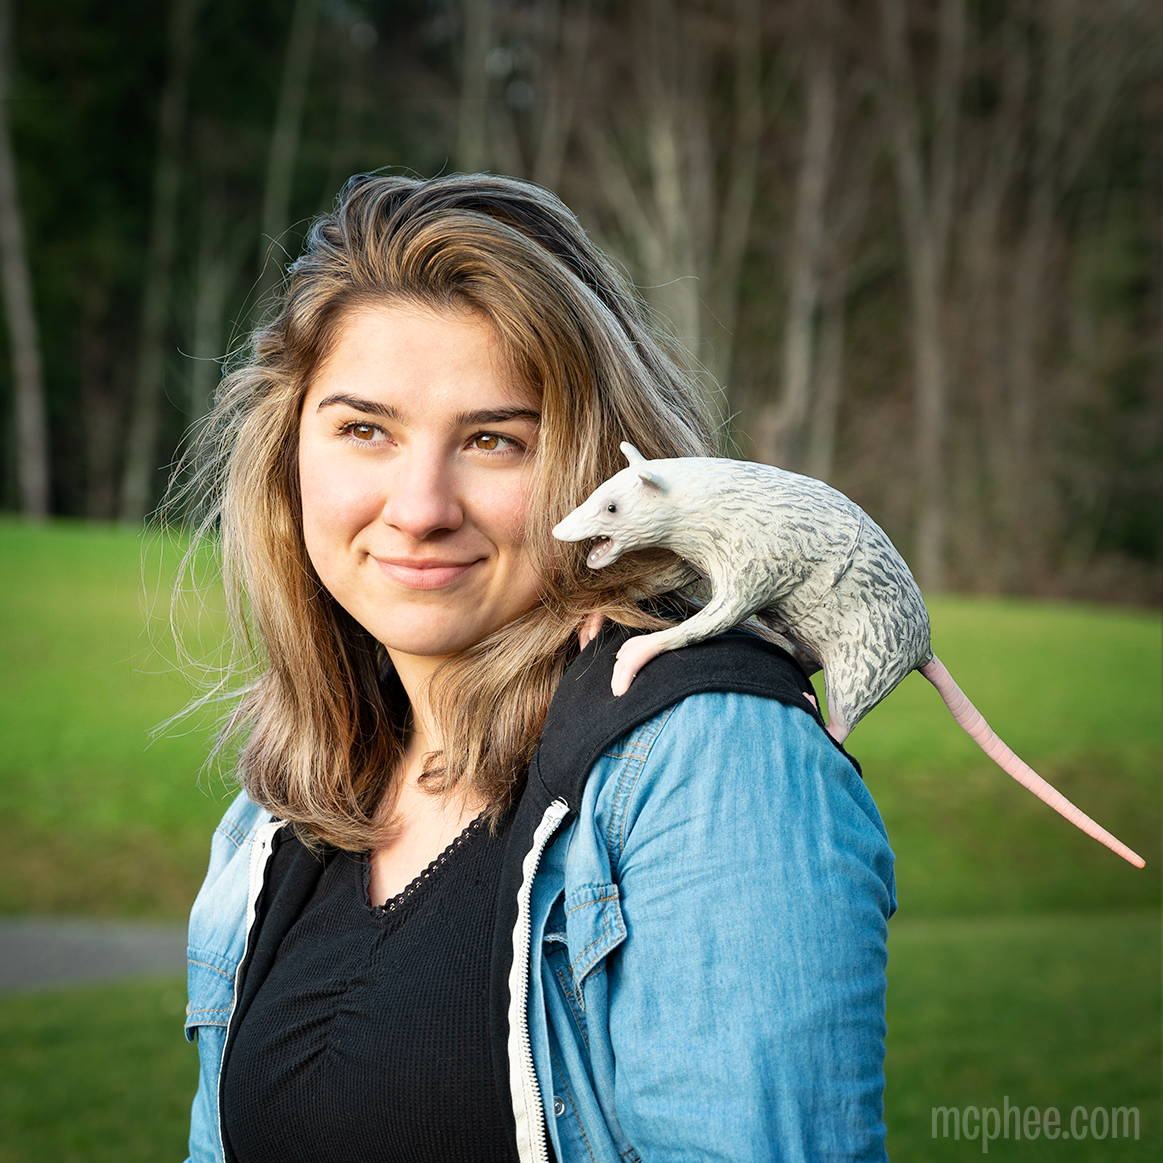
(495, 416)
(372, 407)
(460, 420)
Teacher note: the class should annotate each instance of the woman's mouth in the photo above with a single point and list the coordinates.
(420, 574)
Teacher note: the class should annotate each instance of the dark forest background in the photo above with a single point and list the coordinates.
(917, 242)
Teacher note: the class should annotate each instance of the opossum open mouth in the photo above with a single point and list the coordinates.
(601, 550)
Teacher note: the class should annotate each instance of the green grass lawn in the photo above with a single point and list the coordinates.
(1024, 958)
(95, 819)
(1049, 1010)
(98, 1075)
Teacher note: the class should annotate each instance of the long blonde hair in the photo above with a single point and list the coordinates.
(324, 716)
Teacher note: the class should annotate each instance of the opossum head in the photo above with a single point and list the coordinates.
(629, 511)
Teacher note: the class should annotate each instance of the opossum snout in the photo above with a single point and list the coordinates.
(575, 527)
(590, 519)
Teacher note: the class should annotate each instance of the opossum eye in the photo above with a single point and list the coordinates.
(611, 508)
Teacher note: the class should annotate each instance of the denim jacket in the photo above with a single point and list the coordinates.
(698, 953)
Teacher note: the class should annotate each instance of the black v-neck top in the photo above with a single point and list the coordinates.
(368, 1040)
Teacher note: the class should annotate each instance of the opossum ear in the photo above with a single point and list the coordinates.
(650, 480)
(631, 453)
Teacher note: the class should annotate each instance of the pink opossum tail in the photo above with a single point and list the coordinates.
(971, 719)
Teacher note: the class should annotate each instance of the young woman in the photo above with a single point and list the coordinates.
(469, 906)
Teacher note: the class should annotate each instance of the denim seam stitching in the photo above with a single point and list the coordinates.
(229, 830)
(571, 1000)
(207, 965)
(626, 784)
(586, 904)
(576, 1116)
(629, 751)
(605, 934)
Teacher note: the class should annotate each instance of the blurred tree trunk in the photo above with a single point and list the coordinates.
(782, 425)
(991, 154)
(735, 219)
(829, 381)
(925, 200)
(101, 411)
(352, 105)
(137, 488)
(853, 185)
(565, 37)
(682, 206)
(472, 128)
(1025, 312)
(532, 139)
(284, 146)
(222, 250)
(677, 148)
(1089, 53)
(32, 451)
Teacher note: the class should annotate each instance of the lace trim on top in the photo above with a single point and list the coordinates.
(406, 895)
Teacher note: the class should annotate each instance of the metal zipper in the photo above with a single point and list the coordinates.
(527, 1109)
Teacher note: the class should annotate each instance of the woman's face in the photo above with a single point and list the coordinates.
(416, 448)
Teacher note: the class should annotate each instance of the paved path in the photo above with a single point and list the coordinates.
(40, 952)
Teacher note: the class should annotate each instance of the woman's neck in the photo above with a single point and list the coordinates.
(415, 674)
(419, 825)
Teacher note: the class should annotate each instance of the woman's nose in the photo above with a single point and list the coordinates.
(422, 495)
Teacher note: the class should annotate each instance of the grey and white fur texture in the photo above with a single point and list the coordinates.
(811, 564)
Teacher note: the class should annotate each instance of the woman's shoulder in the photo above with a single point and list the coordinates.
(226, 888)
(745, 795)
(240, 822)
(586, 718)
(732, 734)
(715, 759)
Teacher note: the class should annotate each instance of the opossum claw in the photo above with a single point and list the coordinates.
(632, 657)
(590, 628)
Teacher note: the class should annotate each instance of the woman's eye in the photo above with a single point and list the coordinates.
(492, 442)
(364, 433)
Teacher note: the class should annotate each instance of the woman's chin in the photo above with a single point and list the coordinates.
(438, 641)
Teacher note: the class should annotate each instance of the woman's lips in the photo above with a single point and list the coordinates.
(423, 575)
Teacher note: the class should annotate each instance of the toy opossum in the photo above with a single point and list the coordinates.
(814, 567)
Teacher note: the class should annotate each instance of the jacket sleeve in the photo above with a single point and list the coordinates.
(217, 940)
(744, 1005)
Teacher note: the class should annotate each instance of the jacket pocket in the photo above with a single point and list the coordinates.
(593, 926)
(210, 988)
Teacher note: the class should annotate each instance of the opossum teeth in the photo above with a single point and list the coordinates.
(601, 547)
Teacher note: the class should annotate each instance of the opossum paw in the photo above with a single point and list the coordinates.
(838, 729)
(632, 657)
(590, 628)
